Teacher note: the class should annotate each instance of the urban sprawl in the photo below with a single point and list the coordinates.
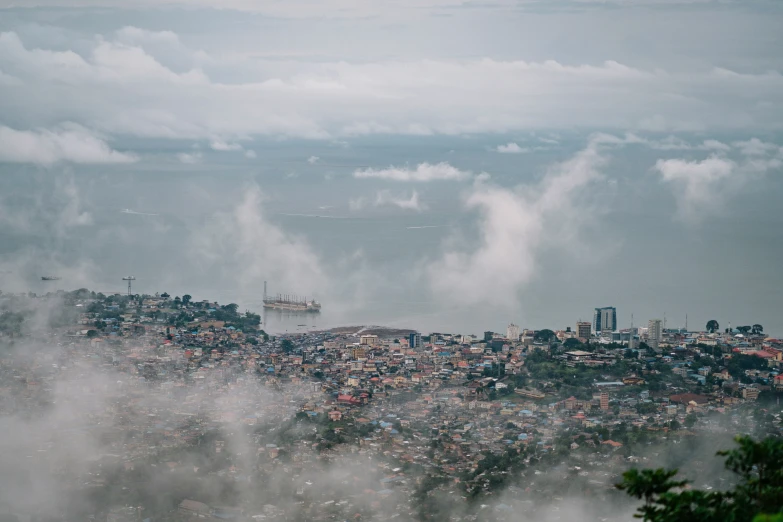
(167, 408)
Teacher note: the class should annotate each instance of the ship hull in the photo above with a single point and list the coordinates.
(289, 307)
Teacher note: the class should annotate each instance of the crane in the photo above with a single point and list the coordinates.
(129, 279)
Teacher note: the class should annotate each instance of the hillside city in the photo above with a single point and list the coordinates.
(193, 412)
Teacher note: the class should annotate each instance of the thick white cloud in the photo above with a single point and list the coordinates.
(73, 215)
(109, 63)
(388, 198)
(715, 145)
(667, 143)
(702, 187)
(511, 148)
(135, 35)
(385, 197)
(248, 249)
(119, 86)
(756, 147)
(698, 183)
(46, 147)
(422, 173)
(515, 226)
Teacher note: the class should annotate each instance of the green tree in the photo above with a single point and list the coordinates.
(11, 323)
(712, 326)
(544, 336)
(769, 518)
(757, 329)
(744, 329)
(186, 299)
(91, 334)
(287, 346)
(758, 465)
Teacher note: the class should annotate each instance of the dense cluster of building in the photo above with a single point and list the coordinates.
(404, 419)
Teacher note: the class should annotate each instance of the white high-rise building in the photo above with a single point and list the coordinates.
(605, 319)
(512, 332)
(654, 333)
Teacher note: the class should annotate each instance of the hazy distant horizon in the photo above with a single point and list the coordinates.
(527, 165)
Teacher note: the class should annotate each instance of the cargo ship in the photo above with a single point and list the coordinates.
(290, 303)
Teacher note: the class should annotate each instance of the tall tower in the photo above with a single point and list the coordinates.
(605, 319)
(654, 333)
(583, 330)
(512, 332)
(129, 279)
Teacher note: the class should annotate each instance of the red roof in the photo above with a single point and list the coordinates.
(347, 398)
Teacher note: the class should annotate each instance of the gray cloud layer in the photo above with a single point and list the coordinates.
(119, 86)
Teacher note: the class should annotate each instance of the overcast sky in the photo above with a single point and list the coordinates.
(561, 151)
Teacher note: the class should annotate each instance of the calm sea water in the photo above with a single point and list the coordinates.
(634, 254)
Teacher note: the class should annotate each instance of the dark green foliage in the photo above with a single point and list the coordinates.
(11, 323)
(739, 363)
(544, 336)
(758, 465)
(769, 518)
(287, 346)
(230, 315)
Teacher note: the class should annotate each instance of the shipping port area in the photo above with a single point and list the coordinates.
(290, 302)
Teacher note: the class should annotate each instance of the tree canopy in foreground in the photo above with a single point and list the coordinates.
(757, 496)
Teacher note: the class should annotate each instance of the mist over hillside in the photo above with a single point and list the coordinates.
(122, 407)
